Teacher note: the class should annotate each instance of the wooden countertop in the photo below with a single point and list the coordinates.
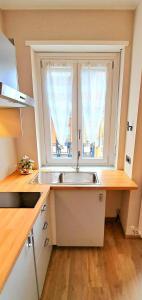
(16, 223)
(20, 183)
(109, 180)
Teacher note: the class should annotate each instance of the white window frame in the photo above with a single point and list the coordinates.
(107, 159)
(115, 59)
(47, 125)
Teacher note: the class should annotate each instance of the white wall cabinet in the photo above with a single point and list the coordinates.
(80, 216)
(8, 69)
(21, 284)
(42, 245)
(10, 120)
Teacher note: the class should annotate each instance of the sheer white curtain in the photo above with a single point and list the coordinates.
(93, 93)
(59, 97)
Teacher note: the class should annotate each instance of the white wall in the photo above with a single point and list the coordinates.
(130, 209)
(8, 155)
(135, 198)
(135, 83)
(1, 21)
(25, 25)
(26, 143)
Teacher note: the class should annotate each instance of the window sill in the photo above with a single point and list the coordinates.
(72, 169)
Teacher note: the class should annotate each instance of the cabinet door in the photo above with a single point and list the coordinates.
(21, 284)
(42, 244)
(40, 229)
(42, 264)
(80, 217)
(8, 69)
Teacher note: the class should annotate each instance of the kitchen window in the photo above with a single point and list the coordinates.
(79, 109)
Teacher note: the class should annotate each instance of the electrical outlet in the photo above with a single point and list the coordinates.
(134, 230)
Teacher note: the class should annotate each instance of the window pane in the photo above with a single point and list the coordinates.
(58, 150)
(59, 93)
(93, 95)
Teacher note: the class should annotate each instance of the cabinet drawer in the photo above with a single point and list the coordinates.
(42, 264)
(40, 229)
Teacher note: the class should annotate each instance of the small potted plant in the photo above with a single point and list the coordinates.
(25, 165)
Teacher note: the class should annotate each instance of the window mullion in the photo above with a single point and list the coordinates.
(79, 112)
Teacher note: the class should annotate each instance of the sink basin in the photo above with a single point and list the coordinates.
(66, 178)
(19, 200)
(78, 178)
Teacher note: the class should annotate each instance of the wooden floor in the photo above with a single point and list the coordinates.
(110, 273)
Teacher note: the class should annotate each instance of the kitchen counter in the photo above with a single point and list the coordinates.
(109, 180)
(16, 223)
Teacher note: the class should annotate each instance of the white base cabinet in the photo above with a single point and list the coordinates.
(42, 265)
(42, 245)
(80, 217)
(21, 283)
(27, 277)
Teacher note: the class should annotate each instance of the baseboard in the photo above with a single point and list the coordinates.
(113, 220)
(131, 236)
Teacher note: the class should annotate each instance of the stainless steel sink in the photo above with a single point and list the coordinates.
(19, 200)
(66, 178)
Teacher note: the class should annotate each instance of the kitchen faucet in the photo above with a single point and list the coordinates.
(77, 165)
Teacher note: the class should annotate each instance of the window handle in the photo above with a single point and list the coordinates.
(78, 155)
(79, 134)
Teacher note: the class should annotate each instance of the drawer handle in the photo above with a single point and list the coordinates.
(46, 242)
(43, 208)
(45, 226)
(29, 241)
(101, 197)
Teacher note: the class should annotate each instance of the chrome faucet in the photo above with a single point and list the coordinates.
(77, 165)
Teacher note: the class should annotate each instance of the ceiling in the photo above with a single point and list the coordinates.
(69, 4)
